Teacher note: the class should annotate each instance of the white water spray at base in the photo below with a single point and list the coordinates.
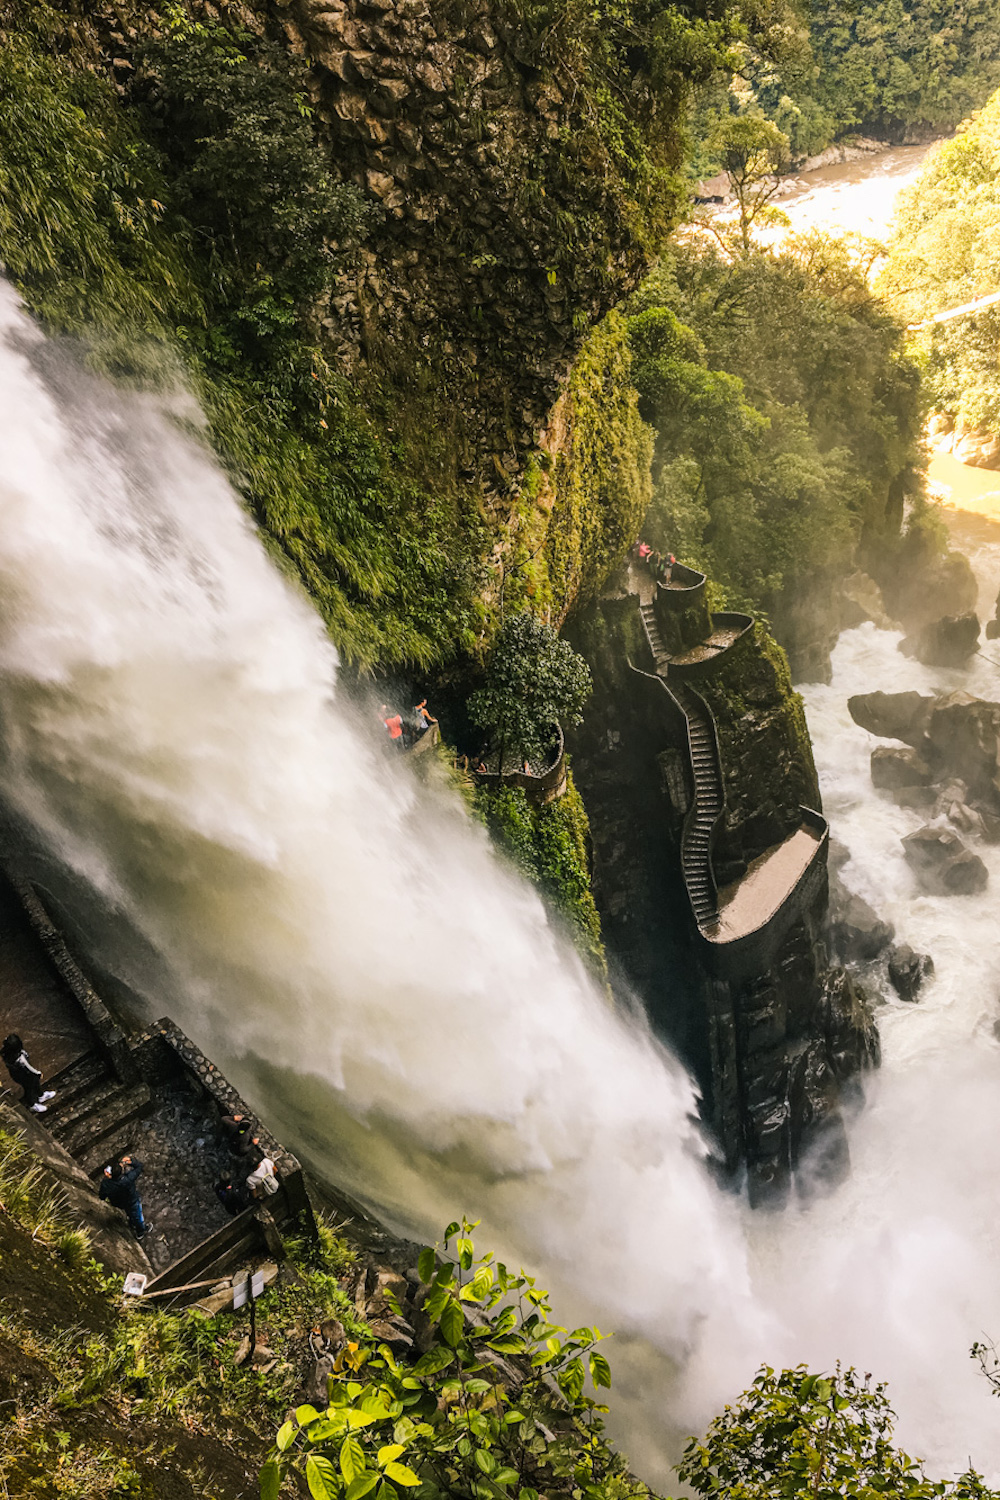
(350, 951)
(348, 948)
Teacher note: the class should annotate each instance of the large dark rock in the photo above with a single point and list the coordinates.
(908, 970)
(943, 864)
(962, 738)
(896, 766)
(857, 932)
(893, 716)
(948, 642)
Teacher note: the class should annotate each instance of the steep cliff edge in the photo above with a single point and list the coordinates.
(774, 1032)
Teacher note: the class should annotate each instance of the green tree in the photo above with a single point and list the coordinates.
(534, 681)
(821, 1436)
(752, 151)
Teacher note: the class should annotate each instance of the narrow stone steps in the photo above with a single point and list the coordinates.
(93, 1127)
(72, 1081)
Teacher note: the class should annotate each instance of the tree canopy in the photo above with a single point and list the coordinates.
(534, 681)
(945, 251)
(784, 406)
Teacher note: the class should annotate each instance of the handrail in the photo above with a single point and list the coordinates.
(546, 781)
(717, 758)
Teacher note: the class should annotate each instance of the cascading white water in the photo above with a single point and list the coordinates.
(345, 946)
(897, 1271)
(349, 949)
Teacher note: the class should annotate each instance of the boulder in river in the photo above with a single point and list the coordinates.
(893, 716)
(978, 449)
(963, 735)
(857, 932)
(898, 765)
(942, 863)
(948, 642)
(908, 970)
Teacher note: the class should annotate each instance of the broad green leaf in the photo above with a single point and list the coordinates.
(452, 1324)
(433, 1361)
(357, 1418)
(513, 1344)
(527, 1494)
(319, 1432)
(321, 1477)
(305, 1414)
(286, 1436)
(485, 1461)
(505, 1476)
(513, 1416)
(362, 1484)
(388, 1453)
(426, 1264)
(402, 1474)
(270, 1480)
(352, 1459)
(600, 1370)
(452, 1229)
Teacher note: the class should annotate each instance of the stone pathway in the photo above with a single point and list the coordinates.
(751, 902)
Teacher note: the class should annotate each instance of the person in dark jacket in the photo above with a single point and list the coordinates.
(230, 1196)
(239, 1134)
(21, 1071)
(118, 1187)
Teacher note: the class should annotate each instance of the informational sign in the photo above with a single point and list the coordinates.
(249, 1288)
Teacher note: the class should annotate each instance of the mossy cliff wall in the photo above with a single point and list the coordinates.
(773, 1050)
(466, 399)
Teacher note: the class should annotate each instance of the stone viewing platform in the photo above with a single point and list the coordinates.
(151, 1094)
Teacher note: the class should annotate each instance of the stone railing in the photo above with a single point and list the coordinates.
(109, 1038)
(752, 952)
(727, 622)
(546, 786)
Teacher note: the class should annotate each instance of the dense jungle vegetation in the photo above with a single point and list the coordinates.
(946, 251)
(895, 69)
(785, 410)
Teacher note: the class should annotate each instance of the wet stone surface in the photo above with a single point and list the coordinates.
(183, 1156)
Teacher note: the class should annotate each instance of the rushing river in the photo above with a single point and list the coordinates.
(350, 950)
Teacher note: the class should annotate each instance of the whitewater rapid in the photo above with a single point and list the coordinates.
(350, 950)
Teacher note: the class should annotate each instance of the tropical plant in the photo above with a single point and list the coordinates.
(534, 681)
(822, 1436)
(497, 1407)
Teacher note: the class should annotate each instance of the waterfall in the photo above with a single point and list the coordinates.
(349, 949)
(345, 944)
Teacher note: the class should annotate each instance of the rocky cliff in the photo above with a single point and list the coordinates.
(776, 1042)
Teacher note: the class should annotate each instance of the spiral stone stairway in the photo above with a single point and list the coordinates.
(696, 844)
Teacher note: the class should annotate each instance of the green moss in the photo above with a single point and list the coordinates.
(601, 481)
(550, 845)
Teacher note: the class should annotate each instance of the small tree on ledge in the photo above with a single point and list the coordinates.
(534, 681)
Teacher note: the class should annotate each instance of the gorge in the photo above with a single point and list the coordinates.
(195, 777)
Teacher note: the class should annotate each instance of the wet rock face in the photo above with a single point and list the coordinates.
(465, 140)
(908, 970)
(956, 737)
(895, 767)
(895, 716)
(948, 642)
(944, 865)
(857, 932)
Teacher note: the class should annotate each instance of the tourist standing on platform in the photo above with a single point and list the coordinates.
(118, 1187)
(21, 1071)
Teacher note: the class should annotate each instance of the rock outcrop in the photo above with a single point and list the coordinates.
(775, 1046)
(908, 970)
(948, 642)
(943, 864)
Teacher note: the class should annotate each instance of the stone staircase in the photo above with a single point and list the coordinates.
(93, 1113)
(709, 799)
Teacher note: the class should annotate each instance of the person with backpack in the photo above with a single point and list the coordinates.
(118, 1187)
(21, 1071)
(262, 1182)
